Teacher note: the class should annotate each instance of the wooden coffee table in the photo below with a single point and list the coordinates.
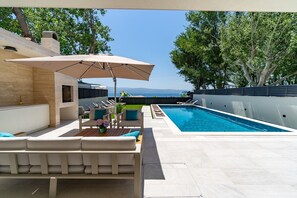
(94, 132)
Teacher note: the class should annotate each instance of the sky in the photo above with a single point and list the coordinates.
(148, 36)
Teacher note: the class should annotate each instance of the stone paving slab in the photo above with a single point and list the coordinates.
(183, 166)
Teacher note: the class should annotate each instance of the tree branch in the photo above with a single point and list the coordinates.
(246, 73)
(283, 78)
(23, 23)
(93, 31)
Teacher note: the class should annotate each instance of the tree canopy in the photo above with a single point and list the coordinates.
(80, 31)
(243, 49)
(197, 54)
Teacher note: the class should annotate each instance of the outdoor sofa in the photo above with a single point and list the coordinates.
(71, 158)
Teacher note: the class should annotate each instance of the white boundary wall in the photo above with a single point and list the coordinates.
(277, 110)
(22, 118)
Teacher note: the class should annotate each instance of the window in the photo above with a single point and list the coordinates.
(67, 93)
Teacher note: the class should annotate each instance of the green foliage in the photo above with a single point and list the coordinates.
(244, 49)
(197, 51)
(260, 46)
(119, 108)
(183, 95)
(80, 30)
(8, 21)
(138, 107)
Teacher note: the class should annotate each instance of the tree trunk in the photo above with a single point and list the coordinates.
(93, 31)
(265, 73)
(23, 23)
(247, 75)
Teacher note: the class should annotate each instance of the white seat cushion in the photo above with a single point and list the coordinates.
(107, 169)
(109, 143)
(21, 169)
(130, 123)
(57, 169)
(105, 159)
(90, 123)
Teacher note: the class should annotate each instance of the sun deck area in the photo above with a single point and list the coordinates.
(186, 165)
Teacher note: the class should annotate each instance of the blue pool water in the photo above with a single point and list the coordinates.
(195, 119)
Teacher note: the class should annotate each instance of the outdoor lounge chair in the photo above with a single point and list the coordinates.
(105, 104)
(130, 118)
(93, 116)
(192, 102)
(112, 101)
(185, 102)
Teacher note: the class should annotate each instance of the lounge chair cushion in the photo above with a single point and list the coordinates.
(131, 115)
(133, 134)
(99, 113)
(5, 134)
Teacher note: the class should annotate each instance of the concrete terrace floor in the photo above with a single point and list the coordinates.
(188, 166)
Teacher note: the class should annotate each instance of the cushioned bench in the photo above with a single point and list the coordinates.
(71, 158)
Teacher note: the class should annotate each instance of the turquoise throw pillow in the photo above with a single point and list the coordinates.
(4, 134)
(131, 115)
(134, 133)
(99, 113)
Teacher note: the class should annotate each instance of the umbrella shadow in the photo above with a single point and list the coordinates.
(152, 168)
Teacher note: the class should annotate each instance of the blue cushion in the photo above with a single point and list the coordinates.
(131, 115)
(99, 113)
(4, 134)
(134, 133)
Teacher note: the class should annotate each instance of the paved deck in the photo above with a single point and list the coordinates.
(186, 166)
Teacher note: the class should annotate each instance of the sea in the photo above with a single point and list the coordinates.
(148, 92)
(157, 94)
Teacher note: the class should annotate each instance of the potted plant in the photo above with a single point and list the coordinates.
(102, 125)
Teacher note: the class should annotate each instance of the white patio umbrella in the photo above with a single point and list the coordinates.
(92, 66)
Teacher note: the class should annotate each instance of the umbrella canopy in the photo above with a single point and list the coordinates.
(92, 66)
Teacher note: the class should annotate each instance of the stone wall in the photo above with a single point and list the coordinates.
(15, 81)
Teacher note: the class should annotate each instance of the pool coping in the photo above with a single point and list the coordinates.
(177, 131)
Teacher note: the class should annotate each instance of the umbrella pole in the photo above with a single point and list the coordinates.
(115, 89)
(115, 93)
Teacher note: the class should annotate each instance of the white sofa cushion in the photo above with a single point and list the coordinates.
(107, 169)
(55, 144)
(58, 169)
(13, 143)
(105, 159)
(108, 143)
(21, 169)
(58, 143)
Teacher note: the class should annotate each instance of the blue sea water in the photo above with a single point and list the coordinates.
(194, 119)
(154, 94)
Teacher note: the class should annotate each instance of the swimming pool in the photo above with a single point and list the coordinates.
(196, 119)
